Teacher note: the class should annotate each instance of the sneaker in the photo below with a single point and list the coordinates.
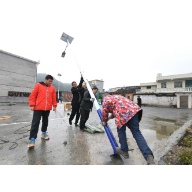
(31, 143)
(70, 123)
(150, 160)
(44, 135)
(123, 153)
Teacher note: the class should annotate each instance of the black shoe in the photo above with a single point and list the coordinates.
(70, 123)
(82, 130)
(76, 125)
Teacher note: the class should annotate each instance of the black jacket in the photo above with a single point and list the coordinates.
(86, 104)
(139, 101)
(77, 94)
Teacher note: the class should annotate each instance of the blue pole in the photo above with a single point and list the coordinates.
(109, 133)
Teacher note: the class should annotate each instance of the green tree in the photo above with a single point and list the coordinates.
(62, 86)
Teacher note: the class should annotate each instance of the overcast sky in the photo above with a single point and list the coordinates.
(122, 42)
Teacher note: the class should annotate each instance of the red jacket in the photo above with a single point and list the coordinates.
(43, 97)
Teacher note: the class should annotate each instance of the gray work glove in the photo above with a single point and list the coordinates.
(92, 99)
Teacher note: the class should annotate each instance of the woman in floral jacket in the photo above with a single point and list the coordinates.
(126, 113)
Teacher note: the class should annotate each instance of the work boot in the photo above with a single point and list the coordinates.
(123, 153)
(150, 160)
(70, 123)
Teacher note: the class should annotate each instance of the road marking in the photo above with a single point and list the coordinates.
(56, 119)
(14, 123)
(24, 122)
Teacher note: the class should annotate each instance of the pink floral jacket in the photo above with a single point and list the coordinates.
(122, 109)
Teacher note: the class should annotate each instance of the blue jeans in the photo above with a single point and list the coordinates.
(134, 127)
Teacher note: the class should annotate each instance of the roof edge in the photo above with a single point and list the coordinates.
(18, 56)
(97, 80)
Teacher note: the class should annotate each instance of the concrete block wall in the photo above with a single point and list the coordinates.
(14, 99)
(16, 74)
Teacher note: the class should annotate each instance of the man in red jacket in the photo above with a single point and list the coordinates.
(41, 100)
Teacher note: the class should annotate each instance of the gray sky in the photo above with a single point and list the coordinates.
(122, 42)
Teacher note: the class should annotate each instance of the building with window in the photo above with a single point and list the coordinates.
(127, 91)
(98, 83)
(17, 77)
(176, 88)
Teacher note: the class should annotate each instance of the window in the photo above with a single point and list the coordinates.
(163, 85)
(178, 84)
(148, 87)
(188, 83)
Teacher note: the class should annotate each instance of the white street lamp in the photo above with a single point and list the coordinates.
(68, 39)
(58, 83)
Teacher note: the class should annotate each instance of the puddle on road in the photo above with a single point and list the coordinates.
(165, 127)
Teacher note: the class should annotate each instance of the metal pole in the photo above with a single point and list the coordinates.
(107, 129)
(58, 89)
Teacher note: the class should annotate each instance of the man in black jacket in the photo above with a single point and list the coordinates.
(76, 91)
(86, 106)
(139, 101)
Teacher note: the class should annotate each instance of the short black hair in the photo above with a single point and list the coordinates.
(94, 87)
(73, 82)
(49, 77)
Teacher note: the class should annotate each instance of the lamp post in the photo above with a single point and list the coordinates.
(58, 83)
(68, 39)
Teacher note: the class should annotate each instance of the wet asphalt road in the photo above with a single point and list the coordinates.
(69, 146)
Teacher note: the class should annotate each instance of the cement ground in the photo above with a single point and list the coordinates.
(82, 148)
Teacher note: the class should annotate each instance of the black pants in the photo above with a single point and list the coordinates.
(75, 111)
(84, 118)
(36, 120)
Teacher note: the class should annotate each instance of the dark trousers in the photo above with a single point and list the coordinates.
(36, 120)
(139, 104)
(75, 111)
(84, 118)
(133, 123)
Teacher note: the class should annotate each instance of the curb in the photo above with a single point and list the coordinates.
(169, 143)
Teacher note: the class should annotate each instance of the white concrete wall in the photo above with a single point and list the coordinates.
(180, 76)
(154, 100)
